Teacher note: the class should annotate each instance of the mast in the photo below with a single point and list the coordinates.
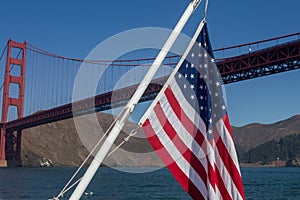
(128, 109)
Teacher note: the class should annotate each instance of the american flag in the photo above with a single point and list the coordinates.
(187, 125)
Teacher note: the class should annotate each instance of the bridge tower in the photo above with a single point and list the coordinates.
(10, 142)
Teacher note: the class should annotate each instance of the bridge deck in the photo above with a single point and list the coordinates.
(268, 61)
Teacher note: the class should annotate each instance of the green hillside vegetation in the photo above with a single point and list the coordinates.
(286, 149)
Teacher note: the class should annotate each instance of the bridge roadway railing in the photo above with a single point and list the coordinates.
(98, 103)
(279, 58)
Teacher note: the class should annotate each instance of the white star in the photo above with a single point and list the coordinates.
(192, 65)
(201, 108)
(205, 77)
(223, 107)
(192, 97)
(217, 83)
(209, 131)
(212, 60)
(205, 55)
(205, 65)
(201, 66)
(216, 105)
(205, 44)
(199, 44)
(192, 76)
(184, 86)
(179, 75)
(199, 54)
(201, 97)
(216, 94)
(192, 86)
(185, 76)
(193, 55)
(187, 65)
(201, 87)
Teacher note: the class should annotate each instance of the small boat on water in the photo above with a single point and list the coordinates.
(44, 162)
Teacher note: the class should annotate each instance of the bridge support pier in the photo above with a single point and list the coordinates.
(10, 155)
(10, 149)
(18, 146)
(3, 161)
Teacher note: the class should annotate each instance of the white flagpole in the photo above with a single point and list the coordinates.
(101, 154)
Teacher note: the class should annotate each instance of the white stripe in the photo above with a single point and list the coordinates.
(183, 134)
(218, 194)
(185, 167)
(226, 177)
(214, 195)
(193, 116)
(228, 142)
(228, 182)
(188, 109)
(216, 158)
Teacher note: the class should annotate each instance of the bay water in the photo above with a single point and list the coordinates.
(111, 184)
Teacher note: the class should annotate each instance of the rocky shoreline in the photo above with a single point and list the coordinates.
(279, 163)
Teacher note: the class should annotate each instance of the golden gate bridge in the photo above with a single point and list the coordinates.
(37, 85)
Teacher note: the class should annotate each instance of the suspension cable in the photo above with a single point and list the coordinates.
(2, 54)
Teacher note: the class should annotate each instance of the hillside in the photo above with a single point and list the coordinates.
(60, 143)
(262, 143)
(287, 150)
(252, 135)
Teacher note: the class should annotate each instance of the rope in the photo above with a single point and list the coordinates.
(132, 133)
(65, 189)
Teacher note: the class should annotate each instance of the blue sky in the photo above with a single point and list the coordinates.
(74, 28)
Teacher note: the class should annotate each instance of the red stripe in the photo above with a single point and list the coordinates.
(220, 184)
(227, 124)
(183, 180)
(186, 122)
(224, 154)
(180, 145)
(230, 165)
(211, 174)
